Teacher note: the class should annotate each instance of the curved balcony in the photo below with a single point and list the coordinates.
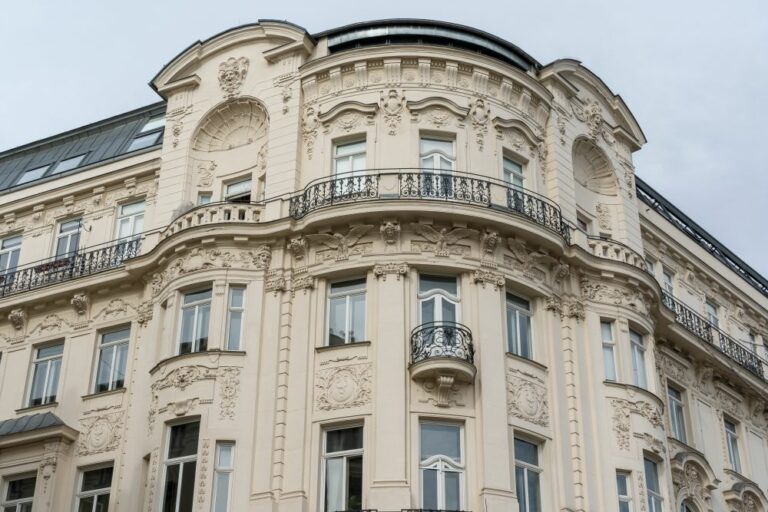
(57, 269)
(213, 213)
(430, 185)
(616, 251)
(442, 349)
(710, 333)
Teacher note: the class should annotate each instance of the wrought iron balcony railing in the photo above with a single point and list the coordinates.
(442, 340)
(705, 330)
(81, 263)
(429, 184)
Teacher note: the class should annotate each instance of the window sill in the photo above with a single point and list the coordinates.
(329, 348)
(104, 393)
(631, 388)
(529, 361)
(31, 408)
(200, 353)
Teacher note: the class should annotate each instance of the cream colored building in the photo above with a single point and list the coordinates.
(394, 265)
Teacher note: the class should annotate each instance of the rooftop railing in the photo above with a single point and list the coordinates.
(710, 333)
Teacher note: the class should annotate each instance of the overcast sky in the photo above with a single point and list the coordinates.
(694, 73)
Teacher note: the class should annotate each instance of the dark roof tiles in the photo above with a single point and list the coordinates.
(29, 423)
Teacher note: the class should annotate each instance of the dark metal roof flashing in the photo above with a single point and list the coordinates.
(29, 423)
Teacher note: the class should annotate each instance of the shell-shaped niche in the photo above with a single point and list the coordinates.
(592, 169)
(236, 123)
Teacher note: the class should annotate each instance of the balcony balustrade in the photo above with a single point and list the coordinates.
(81, 263)
(213, 213)
(616, 251)
(442, 349)
(710, 333)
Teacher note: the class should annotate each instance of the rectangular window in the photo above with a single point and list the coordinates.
(93, 495)
(712, 313)
(9, 254)
(46, 368)
(667, 282)
(513, 173)
(609, 354)
(676, 414)
(349, 157)
(637, 343)
(68, 238)
(438, 299)
(130, 219)
(113, 354)
(623, 489)
(235, 312)
(650, 265)
(436, 154)
(442, 466)
(68, 164)
(32, 174)
(527, 476)
(519, 326)
(346, 312)
(144, 141)
(343, 469)
(732, 440)
(180, 466)
(583, 224)
(154, 123)
(238, 192)
(652, 484)
(204, 198)
(19, 494)
(195, 318)
(222, 476)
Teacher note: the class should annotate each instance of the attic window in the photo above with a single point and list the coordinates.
(143, 141)
(68, 164)
(153, 124)
(32, 174)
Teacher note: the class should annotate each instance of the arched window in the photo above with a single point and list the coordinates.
(438, 299)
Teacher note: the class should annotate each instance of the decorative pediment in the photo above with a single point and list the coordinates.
(437, 110)
(348, 115)
(503, 126)
(745, 496)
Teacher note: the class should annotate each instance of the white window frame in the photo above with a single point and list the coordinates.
(443, 464)
(510, 172)
(668, 281)
(177, 460)
(95, 492)
(69, 235)
(655, 499)
(528, 467)
(132, 218)
(624, 498)
(348, 312)
(10, 251)
(113, 364)
(218, 469)
(77, 159)
(515, 346)
(204, 198)
(440, 295)
(609, 350)
(650, 264)
(712, 311)
(196, 305)
(732, 443)
(235, 309)
(677, 414)
(236, 196)
(47, 361)
(639, 370)
(435, 155)
(351, 157)
(5, 503)
(346, 454)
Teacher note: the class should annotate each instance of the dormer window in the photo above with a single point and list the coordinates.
(32, 174)
(68, 164)
(149, 134)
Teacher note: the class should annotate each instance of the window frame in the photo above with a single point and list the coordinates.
(182, 306)
(55, 167)
(217, 470)
(624, 498)
(11, 268)
(47, 361)
(342, 454)
(441, 295)
(668, 281)
(438, 463)
(347, 309)
(732, 443)
(112, 344)
(655, 496)
(132, 219)
(233, 309)
(80, 494)
(335, 158)
(6, 481)
(236, 198)
(167, 461)
(21, 181)
(677, 423)
(436, 154)
(638, 351)
(75, 233)
(528, 467)
(519, 172)
(609, 344)
(519, 313)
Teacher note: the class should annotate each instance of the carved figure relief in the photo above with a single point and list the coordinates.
(484, 277)
(390, 233)
(275, 282)
(232, 72)
(80, 303)
(309, 126)
(527, 397)
(609, 294)
(100, 433)
(480, 114)
(591, 114)
(392, 108)
(443, 242)
(341, 244)
(604, 216)
(528, 261)
(205, 172)
(17, 317)
(488, 243)
(343, 387)
(621, 418)
(51, 322)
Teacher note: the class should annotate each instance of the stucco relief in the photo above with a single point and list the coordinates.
(390, 233)
(442, 391)
(527, 261)
(205, 173)
(591, 114)
(275, 282)
(100, 434)
(483, 277)
(205, 452)
(604, 219)
(382, 270)
(343, 387)
(115, 308)
(232, 124)
(622, 409)
(489, 241)
(341, 245)
(229, 386)
(689, 482)
(51, 323)
(614, 295)
(302, 282)
(479, 114)
(152, 484)
(232, 73)
(392, 105)
(443, 241)
(309, 126)
(144, 312)
(80, 303)
(672, 368)
(18, 318)
(527, 397)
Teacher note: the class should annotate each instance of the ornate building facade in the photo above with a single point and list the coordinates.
(397, 265)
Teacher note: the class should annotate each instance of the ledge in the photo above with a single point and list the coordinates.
(33, 408)
(331, 348)
(99, 394)
(538, 365)
(636, 389)
(194, 355)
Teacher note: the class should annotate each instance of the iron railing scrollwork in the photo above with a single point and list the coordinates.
(342, 189)
(69, 266)
(705, 330)
(445, 186)
(442, 340)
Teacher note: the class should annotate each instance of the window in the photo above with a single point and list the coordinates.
(113, 353)
(676, 414)
(667, 282)
(222, 476)
(204, 198)
(519, 326)
(93, 495)
(349, 157)
(143, 141)
(68, 238)
(180, 465)
(652, 484)
(609, 355)
(650, 265)
(195, 317)
(712, 313)
(583, 224)
(130, 219)
(732, 441)
(9, 254)
(68, 164)
(45, 374)
(623, 486)
(343, 469)
(238, 192)
(235, 312)
(19, 493)
(513, 173)
(638, 359)
(438, 299)
(32, 174)
(154, 123)
(442, 466)
(436, 154)
(527, 476)
(346, 312)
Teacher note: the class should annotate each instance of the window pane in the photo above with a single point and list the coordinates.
(120, 360)
(526, 452)
(203, 317)
(522, 497)
(533, 491)
(624, 506)
(429, 486)
(225, 456)
(221, 492)
(518, 302)
(621, 484)
(236, 295)
(609, 361)
(348, 286)
(343, 165)
(143, 141)
(102, 503)
(153, 123)
(21, 488)
(448, 311)
(525, 336)
(234, 330)
(343, 439)
(171, 488)
(606, 330)
(49, 351)
(68, 164)
(337, 321)
(334, 484)
(183, 440)
(104, 371)
(38, 384)
(187, 497)
(354, 483)
(240, 187)
(357, 308)
(651, 476)
(428, 283)
(512, 340)
(132, 208)
(187, 330)
(439, 439)
(122, 334)
(53, 381)
(97, 479)
(350, 148)
(452, 491)
(86, 504)
(197, 296)
(32, 174)
(428, 310)
(430, 145)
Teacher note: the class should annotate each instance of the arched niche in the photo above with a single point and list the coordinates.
(693, 481)
(230, 125)
(596, 186)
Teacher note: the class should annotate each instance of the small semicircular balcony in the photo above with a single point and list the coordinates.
(443, 352)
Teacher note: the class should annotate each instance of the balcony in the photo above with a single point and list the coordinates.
(214, 213)
(430, 185)
(616, 251)
(442, 351)
(81, 263)
(705, 330)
